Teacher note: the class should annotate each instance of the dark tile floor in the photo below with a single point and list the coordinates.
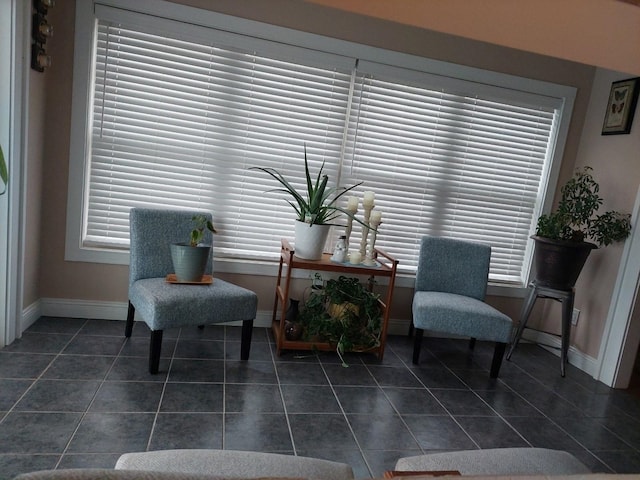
(75, 393)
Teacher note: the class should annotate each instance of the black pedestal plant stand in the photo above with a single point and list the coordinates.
(561, 236)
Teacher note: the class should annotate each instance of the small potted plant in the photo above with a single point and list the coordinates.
(315, 209)
(562, 245)
(190, 258)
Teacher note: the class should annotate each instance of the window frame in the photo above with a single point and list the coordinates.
(282, 37)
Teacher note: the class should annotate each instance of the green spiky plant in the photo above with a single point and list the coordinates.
(4, 174)
(318, 204)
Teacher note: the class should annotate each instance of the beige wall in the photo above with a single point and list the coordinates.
(616, 163)
(99, 282)
(604, 33)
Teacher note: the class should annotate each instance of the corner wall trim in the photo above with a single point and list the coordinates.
(29, 316)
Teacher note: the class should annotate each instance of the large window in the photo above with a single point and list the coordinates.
(177, 114)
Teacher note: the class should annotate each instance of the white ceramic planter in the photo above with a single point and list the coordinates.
(310, 240)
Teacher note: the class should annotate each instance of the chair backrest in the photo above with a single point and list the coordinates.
(453, 266)
(151, 231)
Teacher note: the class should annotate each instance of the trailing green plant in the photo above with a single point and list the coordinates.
(345, 314)
(318, 205)
(197, 234)
(4, 174)
(575, 218)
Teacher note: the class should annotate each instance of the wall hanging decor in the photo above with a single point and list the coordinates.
(621, 107)
(41, 30)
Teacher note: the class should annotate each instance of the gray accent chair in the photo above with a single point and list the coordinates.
(234, 463)
(451, 284)
(497, 461)
(163, 305)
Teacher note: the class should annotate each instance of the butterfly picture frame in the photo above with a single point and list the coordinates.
(621, 107)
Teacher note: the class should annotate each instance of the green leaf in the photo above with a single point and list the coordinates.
(4, 174)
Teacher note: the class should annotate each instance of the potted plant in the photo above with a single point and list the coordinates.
(315, 209)
(190, 258)
(345, 314)
(562, 245)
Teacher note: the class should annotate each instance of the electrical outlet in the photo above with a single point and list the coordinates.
(574, 317)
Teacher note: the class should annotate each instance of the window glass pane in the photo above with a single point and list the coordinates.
(450, 164)
(178, 124)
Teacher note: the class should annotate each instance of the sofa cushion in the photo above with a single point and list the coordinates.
(107, 474)
(232, 463)
(497, 461)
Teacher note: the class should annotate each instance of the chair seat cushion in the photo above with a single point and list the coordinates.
(497, 461)
(460, 315)
(164, 305)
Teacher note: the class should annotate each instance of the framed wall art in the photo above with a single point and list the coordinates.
(621, 107)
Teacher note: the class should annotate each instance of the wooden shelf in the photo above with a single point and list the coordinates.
(386, 266)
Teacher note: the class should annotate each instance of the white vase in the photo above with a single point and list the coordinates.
(310, 240)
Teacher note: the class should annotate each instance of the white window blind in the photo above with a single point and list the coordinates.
(450, 163)
(177, 120)
(178, 123)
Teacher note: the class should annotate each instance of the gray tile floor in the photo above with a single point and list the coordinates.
(75, 393)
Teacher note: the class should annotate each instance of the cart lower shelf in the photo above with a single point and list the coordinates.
(284, 344)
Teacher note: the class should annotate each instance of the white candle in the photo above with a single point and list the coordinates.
(367, 199)
(352, 204)
(376, 216)
(355, 257)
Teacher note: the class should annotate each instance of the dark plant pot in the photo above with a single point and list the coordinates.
(558, 263)
(189, 262)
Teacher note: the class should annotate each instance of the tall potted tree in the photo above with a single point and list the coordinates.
(315, 209)
(561, 238)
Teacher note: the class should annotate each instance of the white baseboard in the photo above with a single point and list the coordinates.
(29, 316)
(552, 344)
(70, 308)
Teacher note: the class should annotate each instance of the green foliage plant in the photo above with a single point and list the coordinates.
(197, 234)
(4, 174)
(575, 219)
(318, 205)
(353, 326)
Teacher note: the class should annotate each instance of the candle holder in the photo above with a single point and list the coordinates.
(369, 260)
(347, 230)
(365, 230)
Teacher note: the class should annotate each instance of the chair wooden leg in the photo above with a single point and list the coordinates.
(417, 345)
(128, 328)
(245, 342)
(498, 353)
(155, 345)
(472, 343)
